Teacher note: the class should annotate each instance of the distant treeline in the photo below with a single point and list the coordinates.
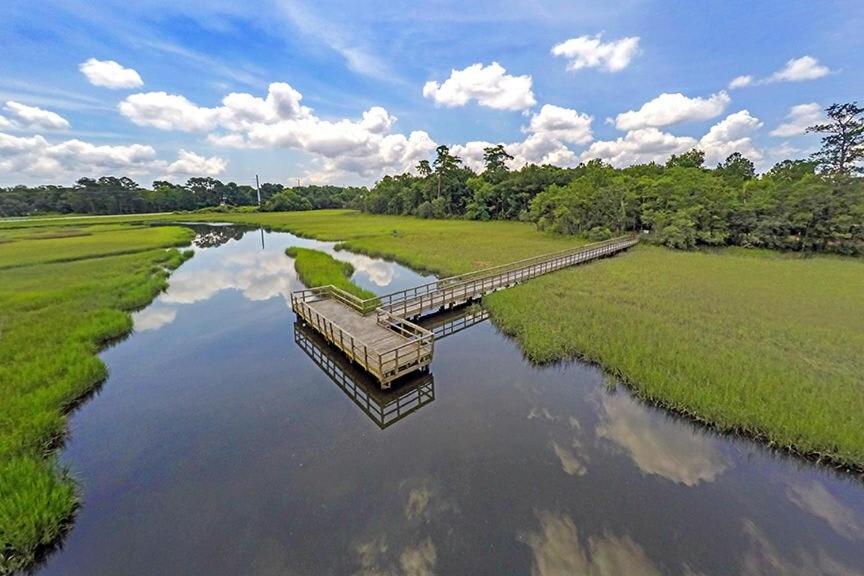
(815, 204)
(681, 204)
(111, 195)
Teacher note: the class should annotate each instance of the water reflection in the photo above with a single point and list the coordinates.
(763, 557)
(210, 236)
(672, 452)
(384, 407)
(153, 318)
(814, 498)
(217, 447)
(558, 550)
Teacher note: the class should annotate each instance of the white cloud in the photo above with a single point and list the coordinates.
(668, 109)
(490, 86)
(110, 74)
(796, 70)
(36, 156)
(591, 52)
(564, 124)
(364, 147)
(167, 112)
(192, 164)
(798, 119)
(25, 117)
(638, 147)
(741, 82)
(547, 131)
(799, 70)
(732, 134)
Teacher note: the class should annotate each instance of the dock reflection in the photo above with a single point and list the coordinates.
(408, 394)
(384, 407)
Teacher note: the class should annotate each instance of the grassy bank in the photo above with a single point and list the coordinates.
(54, 317)
(316, 268)
(750, 341)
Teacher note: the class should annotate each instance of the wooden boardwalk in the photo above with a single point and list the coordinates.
(378, 333)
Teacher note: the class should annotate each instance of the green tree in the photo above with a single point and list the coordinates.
(843, 143)
(495, 161)
(694, 158)
(736, 169)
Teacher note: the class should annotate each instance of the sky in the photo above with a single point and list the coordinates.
(346, 92)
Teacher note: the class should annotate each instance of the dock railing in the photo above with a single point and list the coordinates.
(394, 309)
(416, 351)
(480, 279)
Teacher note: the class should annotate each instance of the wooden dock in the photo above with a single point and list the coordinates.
(378, 333)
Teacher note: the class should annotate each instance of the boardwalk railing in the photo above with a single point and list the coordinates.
(415, 301)
(511, 273)
(415, 351)
(393, 310)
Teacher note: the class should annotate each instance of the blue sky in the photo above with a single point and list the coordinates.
(335, 61)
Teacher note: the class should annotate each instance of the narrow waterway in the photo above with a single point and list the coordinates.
(219, 445)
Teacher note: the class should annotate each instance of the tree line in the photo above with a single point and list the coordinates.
(815, 204)
(112, 195)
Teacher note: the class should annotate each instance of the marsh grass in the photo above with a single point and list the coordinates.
(753, 342)
(21, 251)
(442, 247)
(315, 268)
(54, 318)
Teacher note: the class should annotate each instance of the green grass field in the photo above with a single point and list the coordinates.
(440, 246)
(54, 317)
(752, 341)
(316, 268)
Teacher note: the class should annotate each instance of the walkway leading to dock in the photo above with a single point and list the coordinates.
(378, 333)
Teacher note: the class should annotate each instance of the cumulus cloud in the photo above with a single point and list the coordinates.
(365, 147)
(23, 117)
(667, 109)
(732, 134)
(547, 132)
(796, 70)
(193, 164)
(638, 147)
(36, 156)
(563, 124)
(799, 70)
(110, 74)
(490, 86)
(741, 82)
(798, 119)
(592, 52)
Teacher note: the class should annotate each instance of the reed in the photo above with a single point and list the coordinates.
(315, 268)
(54, 317)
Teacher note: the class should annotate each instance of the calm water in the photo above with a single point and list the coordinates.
(219, 445)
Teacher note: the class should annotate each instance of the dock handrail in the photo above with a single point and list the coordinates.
(365, 306)
(419, 341)
(393, 310)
